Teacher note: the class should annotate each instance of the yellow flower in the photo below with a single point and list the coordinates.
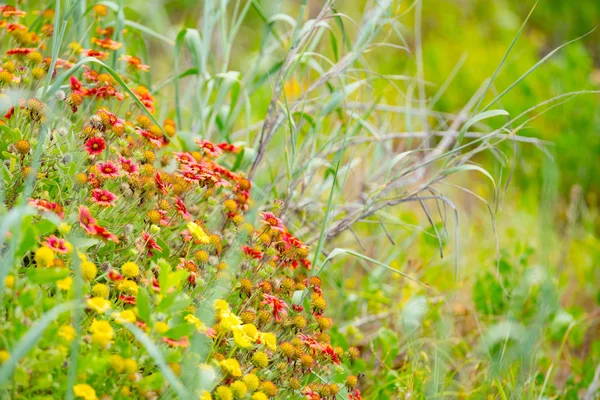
(221, 306)
(67, 332)
(239, 389)
(128, 286)
(44, 257)
(192, 319)
(259, 396)
(205, 395)
(251, 382)
(231, 366)
(102, 333)
(198, 233)
(130, 269)
(269, 340)
(64, 228)
(84, 391)
(125, 316)
(88, 270)
(82, 256)
(245, 335)
(9, 281)
(99, 304)
(4, 356)
(100, 290)
(130, 365)
(224, 393)
(117, 363)
(64, 284)
(161, 327)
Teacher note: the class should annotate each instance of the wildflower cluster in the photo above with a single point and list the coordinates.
(151, 237)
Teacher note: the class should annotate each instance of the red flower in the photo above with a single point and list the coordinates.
(58, 245)
(184, 158)
(87, 222)
(128, 165)
(105, 234)
(46, 205)
(182, 209)
(229, 147)
(21, 51)
(161, 185)
(100, 55)
(354, 395)
(279, 306)
(209, 148)
(10, 11)
(311, 394)
(182, 342)
(190, 175)
(108, 169)
(95, 145)
(107, 43)
(150, 244)
(251, 253)
(297, 307)
(269, 219)
(135, 62)
(127, 299)
(114, 275)
(103, 197)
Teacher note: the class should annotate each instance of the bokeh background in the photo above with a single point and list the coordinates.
(522, 317)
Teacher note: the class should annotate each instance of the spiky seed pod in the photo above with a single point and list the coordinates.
(248, 317)
(23, 147)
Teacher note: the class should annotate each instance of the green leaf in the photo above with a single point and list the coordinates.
(476, 119)
(159, 359)
(41, 276)
(30, 339)
(179, 331)
(143, 304)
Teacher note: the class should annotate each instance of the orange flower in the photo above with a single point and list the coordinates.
(135, 62)
(107, 43)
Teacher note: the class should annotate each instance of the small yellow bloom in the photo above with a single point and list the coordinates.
(64, 228)
(130, 269)
(125, 316)
(161, 327)
(4, 356)
(128, 286)
(239, 389)
(205, 395)
(259, 396)
(192, 319)
(44, 257)
(84, 391)
(221, 306)
(9, 281)
(269, 340)
(231, 366)
(251, 382)
(102, 332)
(64, 284)
(99, 304)
(245, 335)
(67, 332)
(88, 270)
(100, 290)
(198, 233)
(130, 366)
(117, 363)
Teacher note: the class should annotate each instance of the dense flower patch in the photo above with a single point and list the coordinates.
(150, 238)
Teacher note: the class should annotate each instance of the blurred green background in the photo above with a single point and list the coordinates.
(450, 338)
